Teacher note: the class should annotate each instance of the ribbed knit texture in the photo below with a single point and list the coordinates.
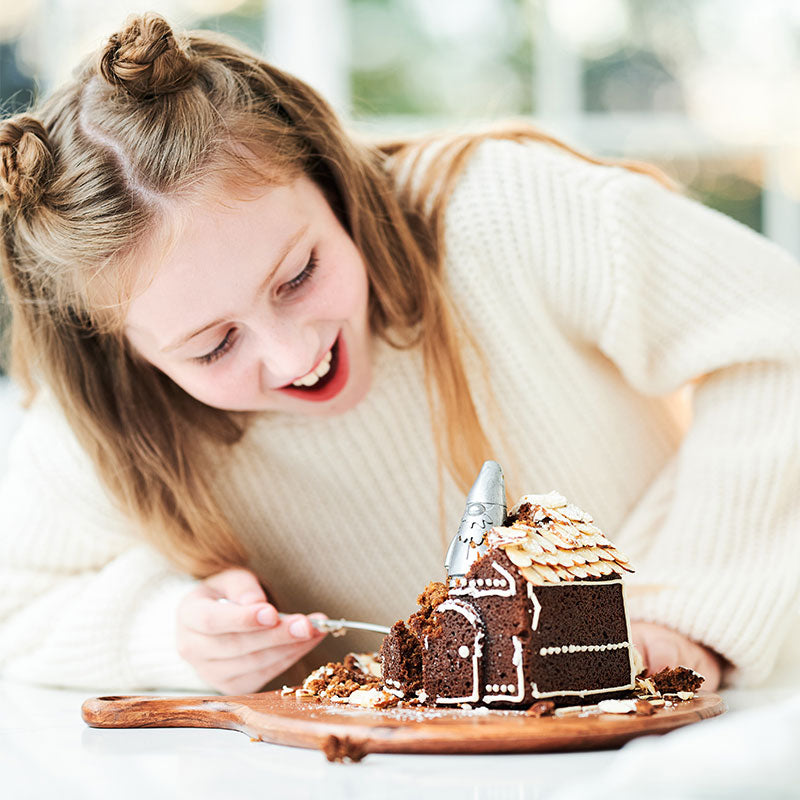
(641, 359)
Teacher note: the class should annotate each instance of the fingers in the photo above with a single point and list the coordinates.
(237, 585)
(290, 630)
(209, 616)
(659, 646)
(662, 647)
(269, 662)
(709, 665)
(272, 665)
(246, 670)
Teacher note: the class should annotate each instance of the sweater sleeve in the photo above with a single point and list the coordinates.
(84, 603)
(700, 300)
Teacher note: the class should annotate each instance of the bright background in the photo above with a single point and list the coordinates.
(707, 89)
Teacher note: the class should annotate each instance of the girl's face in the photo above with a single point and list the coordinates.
(261, 304)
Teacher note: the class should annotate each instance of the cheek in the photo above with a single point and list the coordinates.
(344, 294)
(222, 385)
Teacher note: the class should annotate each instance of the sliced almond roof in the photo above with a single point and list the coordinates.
(552, 541)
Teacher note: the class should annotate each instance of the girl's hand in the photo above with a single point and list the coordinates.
(663, 647)
(239, 645)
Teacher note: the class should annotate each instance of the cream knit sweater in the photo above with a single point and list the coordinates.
(644, 357)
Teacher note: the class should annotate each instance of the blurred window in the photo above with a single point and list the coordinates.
(707, 89)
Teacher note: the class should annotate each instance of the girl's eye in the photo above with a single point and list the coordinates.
(230, 338)
(302, 277)
(219, 350)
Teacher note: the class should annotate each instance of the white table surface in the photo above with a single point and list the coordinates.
(47, 751)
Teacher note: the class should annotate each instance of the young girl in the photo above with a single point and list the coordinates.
(267, 360)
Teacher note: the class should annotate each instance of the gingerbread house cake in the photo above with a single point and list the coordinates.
(540, 614)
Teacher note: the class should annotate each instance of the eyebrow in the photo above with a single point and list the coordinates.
(287, 248)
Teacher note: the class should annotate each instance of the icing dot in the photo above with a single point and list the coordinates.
(511, 687)
(495, 687)
(463, 651)
(480, 581)
(503, 687)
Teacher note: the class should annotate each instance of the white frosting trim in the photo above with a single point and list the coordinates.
(581, 692)
(562, 584)
(471, 587)
(581, 648)
(476, 654)
(466, 610)
(631, 652)
(460, 607)
(537, 607)
(516, 660)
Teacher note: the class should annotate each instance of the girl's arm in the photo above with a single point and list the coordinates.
(696, 298)
(678, 298)
(83, 603)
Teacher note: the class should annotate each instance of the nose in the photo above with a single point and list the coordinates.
(286, 352)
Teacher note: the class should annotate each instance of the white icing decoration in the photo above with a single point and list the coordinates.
(460, 607)
(549, 651)
(537, 607)
(516, 660)
(463, 651)
(470, 615)
(631, 650)
(472, 590)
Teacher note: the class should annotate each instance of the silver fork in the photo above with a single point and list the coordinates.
(335, 626)
(332, 626)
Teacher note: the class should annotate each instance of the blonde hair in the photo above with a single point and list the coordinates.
(82, 184)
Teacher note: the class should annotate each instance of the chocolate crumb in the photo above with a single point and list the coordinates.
(337, 679)
(389, 702)
(425, 622)
(544, 708)
(679, 679)
(352, 663)
(343, 749)
(644, 709)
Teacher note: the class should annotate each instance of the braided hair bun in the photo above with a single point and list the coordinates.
(145, 59)
(25, 161)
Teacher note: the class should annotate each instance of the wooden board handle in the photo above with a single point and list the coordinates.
(158, 712)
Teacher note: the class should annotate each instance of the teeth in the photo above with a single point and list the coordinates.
(322, 369)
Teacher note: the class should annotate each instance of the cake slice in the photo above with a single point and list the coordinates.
(540, 615)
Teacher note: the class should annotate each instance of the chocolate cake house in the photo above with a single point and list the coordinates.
(534, 609)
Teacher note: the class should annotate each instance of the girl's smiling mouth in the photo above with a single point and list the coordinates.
(326, 380)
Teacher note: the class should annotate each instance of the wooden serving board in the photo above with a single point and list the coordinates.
(307, 722)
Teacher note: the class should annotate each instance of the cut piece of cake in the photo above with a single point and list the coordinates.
(539, 615)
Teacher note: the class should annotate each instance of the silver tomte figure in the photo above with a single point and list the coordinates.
(485, 508)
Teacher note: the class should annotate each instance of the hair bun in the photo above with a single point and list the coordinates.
(145, 59)
(25, 160)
